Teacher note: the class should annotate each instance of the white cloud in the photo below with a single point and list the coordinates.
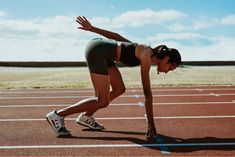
(222, 50)
(195, 46)
(203, 23)
(196, 25)
(53, 25)
(177, 27)
(186, 38)
(52, 38)
(181, 36)
(50, 49)
(57, 38)
(2, 14)
(228, 20)
(143, 17)
(66, 25)
(139, 18)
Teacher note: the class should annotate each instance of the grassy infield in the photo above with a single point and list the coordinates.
(17, 78)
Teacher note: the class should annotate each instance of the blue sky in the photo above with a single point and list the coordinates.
(45, 30)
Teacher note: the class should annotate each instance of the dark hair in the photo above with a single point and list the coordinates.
(162, 50)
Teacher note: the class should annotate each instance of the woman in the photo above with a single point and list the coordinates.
(100, 56)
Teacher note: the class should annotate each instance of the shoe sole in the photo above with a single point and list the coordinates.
(84, 124)
(52, 125)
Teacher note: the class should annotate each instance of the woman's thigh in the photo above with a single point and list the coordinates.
(101, 84)
(116, 81)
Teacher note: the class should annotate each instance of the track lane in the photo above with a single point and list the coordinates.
(127, 111)
(122, 132)
(179, 131)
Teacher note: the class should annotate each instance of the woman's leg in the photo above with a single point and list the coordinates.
(99, 53)
(118, 87)
(56, 118)
(101, 85)
(116, 83)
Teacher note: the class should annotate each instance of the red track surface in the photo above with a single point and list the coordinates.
(192, 121)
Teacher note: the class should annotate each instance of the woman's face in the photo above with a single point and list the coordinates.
(164, 66)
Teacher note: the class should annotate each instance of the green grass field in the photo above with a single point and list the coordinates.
(78, 77)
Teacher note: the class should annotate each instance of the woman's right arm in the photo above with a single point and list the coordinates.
(86, 25)
(145, 58)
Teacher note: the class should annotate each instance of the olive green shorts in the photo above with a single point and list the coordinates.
(100, 55)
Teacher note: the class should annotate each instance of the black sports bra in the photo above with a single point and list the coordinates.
(128, 54)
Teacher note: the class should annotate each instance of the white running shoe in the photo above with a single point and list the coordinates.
(89, 122)
(57, 123)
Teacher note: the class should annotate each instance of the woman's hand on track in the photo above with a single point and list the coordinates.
(151, 134)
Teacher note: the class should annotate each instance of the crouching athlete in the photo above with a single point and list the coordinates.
(101, 55)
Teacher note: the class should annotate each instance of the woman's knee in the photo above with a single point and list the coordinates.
(122, 90)
(119, 91)
(103, 102)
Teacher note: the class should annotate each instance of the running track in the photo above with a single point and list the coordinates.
(191, 121)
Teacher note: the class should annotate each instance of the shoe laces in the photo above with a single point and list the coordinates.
(94, 123)
(89, 120)
(62, 123)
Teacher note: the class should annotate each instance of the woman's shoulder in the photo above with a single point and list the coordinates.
(143, 50)
(142, 46)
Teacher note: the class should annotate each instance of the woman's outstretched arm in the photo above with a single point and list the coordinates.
(86, 25)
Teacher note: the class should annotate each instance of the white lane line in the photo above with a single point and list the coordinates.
(25, 106)
(127, 118)
(135, 96)
(198, 89)
(213, 94)
(119, 145)
(141, 104)
(123, 96)
(129, 90)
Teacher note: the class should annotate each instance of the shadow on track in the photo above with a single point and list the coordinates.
(189, 145)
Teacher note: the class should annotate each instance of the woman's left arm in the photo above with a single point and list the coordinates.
(86, 25)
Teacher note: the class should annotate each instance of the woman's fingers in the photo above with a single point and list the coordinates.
(85, 24)
(79, 20)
